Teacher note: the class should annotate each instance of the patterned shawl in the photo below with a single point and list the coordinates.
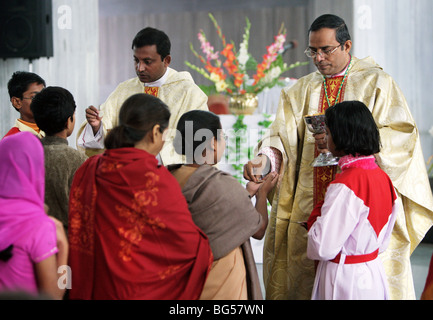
(130, 232)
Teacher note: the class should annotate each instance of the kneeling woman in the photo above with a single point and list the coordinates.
(130, 232)
(221, 207)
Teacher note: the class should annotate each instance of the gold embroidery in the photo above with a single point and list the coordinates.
(137, 216)
(81, 226)
(148, 196)
(107, 166)
(153, 91)
(168, 271)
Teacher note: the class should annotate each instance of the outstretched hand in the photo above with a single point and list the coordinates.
(265, 186)
(253, 187)
(255, 169)
(268, 183)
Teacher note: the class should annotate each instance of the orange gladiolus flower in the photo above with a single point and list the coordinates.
(260, 72)
(231, 68)
(239, 79)
(256, 79)
(216, 70)
(228, 50)
(231, 63)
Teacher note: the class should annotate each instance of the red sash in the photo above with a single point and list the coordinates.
(357, 259)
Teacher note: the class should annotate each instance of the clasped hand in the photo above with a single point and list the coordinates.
(321, 142)
(257, 172)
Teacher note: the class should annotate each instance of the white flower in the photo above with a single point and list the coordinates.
(243, 55)
(272, 74)
(221, 86)
(275, 72)
(215, 77)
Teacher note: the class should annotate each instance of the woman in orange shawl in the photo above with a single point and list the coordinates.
(131, 234)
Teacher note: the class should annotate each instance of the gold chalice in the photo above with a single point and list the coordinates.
(316, 124)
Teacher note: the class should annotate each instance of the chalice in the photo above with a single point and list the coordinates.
(316, 124)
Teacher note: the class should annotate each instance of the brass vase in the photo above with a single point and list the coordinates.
(246, 103)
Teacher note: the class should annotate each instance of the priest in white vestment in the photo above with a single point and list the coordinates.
(151, 48)
(290, 148)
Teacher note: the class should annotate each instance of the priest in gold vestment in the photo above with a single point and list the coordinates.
(288, 273)
(177, 90)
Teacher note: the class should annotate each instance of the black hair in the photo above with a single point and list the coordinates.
(7, 253)
(51, 108)
(151, 36)
(137, 116)
(353, 128)
(20, 82)
(204, 125)
(332, 22)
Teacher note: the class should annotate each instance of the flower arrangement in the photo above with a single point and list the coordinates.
(228, 69)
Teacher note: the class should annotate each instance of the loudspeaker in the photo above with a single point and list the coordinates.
(26, 29)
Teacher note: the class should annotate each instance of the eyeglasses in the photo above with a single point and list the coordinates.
(30, 98)
(324, 53)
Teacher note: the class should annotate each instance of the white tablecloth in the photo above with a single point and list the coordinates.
(269, 98)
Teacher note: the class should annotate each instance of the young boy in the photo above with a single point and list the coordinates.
(22, 87)
(54, 112)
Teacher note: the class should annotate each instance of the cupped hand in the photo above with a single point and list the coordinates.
(255, 169)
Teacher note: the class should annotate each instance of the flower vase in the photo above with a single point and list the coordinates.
(246, 103)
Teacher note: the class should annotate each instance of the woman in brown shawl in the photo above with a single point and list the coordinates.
(221, 207)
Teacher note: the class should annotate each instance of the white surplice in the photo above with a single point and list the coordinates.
(357, 197)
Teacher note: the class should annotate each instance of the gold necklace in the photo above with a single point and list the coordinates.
(341, 85)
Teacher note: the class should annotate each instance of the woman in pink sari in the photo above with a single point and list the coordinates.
(30, 249)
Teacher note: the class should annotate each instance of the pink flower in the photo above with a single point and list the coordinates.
(207, 48)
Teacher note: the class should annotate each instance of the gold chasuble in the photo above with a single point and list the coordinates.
(287, 272)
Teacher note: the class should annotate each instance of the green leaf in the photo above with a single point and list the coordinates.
(251, 63)
(208, 90)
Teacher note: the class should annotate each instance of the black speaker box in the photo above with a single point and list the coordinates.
(26, 29)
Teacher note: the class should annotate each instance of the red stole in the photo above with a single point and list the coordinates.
(324, 175)
(153, 91)
(131, 234)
